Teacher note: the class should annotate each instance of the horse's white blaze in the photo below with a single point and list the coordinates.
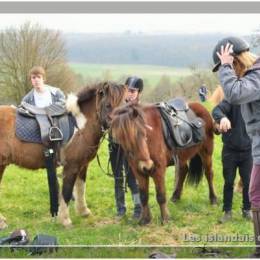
(80, 202)
(73, 107)
(63, 214)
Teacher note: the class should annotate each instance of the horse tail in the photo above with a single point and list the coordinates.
(195, 170)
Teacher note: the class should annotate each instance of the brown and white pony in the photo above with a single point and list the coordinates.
(77, 154)
(138, 129)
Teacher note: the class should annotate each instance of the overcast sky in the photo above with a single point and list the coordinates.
(235, 24)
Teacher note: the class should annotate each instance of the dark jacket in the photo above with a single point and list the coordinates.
(236, 138)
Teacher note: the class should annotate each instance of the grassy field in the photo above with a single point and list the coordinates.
(25, 204)
(150, 74)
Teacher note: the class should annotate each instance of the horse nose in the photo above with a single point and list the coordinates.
(146, 166)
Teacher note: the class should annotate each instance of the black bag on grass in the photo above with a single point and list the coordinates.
(43, 244)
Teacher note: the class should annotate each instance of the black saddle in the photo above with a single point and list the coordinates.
(181, 127)
(52, 110)
(52, 123)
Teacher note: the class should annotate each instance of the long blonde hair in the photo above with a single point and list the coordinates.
(217, 96)
(243, 62)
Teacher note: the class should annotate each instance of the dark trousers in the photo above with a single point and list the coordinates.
(233, 160)
(202, 98)
(119, 163)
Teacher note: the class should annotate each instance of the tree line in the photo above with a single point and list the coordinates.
(31, 44)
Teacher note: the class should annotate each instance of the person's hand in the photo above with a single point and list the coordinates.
(224, 54)
(224, 125)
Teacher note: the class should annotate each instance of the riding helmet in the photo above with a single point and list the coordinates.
(239, 45)
(135, 83)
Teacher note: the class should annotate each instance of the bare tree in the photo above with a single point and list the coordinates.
(23, 48)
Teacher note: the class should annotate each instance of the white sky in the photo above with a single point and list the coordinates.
(235, 24)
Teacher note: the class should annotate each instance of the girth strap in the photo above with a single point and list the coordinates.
(52, 181)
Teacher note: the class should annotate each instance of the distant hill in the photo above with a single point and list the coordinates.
(129, 48)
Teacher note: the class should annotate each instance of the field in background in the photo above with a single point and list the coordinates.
(150, 74)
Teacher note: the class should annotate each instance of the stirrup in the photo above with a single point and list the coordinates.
(55, 134)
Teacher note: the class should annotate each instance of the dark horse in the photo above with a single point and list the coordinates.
(76, 155)
(138, 129)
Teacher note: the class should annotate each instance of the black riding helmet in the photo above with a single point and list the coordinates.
(239, 45)
(135, 83)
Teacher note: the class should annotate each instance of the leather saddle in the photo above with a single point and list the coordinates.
(53, 122)
(181, 127)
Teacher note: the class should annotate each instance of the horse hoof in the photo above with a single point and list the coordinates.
(66, 222)
(144, 221)
(214, 201)
(165, 220)
(175, 199)
(84, 212)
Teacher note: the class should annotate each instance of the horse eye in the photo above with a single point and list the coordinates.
(108, 106)
(101, 93)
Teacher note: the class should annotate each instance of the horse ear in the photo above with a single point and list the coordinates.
(106, 85)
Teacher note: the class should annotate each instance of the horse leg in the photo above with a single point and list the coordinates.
(207, 164)
(181, 174)
(159, 181)
(70, 173)
(143, 182)
(79, 193)
(3, 223)
(2, 169)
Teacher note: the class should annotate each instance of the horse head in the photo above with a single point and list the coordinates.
(109, 96)
(129, 129)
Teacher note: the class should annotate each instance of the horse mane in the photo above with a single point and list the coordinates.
(115, 93)
(87, 93)
(127, 124)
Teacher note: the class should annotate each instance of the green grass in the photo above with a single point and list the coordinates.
(25, 203)
(150, 74)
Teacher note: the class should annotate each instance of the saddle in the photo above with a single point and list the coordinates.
(181, 127)
(54, 123)
(52, 126)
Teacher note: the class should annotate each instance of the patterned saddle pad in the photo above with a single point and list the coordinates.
(28, 130)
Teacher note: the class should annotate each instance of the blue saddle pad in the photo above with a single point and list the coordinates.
(28, 130)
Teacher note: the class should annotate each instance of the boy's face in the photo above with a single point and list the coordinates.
(37, 80)
(132, 94)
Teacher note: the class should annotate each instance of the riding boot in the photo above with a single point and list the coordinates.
(256, 220)
(137, 206)
(226, 217)
(120, 202)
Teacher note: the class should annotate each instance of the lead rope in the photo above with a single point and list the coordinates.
(98, 160)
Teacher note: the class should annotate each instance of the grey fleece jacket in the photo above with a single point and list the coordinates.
(57, 96)
(245, 91)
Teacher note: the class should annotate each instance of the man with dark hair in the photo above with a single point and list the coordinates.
(119, 162)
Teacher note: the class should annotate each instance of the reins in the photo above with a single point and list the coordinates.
(98, 160)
